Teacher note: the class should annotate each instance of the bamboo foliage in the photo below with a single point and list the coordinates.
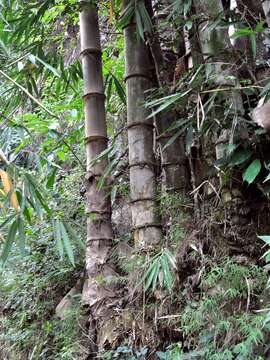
(143, 187)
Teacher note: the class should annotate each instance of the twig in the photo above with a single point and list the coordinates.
(248, 291)
(3, 157)
(169, 316)
(205, 182)
(45, 109)
(29, 95)
(231, 88)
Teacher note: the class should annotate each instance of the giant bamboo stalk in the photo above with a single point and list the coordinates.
(218, 55)
(221, 68)
(173, 158)
(144, 208)
(97, 292)
(266, 9)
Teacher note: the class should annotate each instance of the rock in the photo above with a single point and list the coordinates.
(261, 115)
(66, 303)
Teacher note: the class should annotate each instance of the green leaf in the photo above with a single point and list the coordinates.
(108, 86)
(27, 214)
(240, 157)
(166, 102)
(57, 237)
(151, 274)
(168, 279)
(187, 6)
(260, 26)
(155, 277)
(127, 15)
(21, 229)
(252, 171)
(9, 242)
(265, 238)
(146, 20)
(267, 178)
(265, 89)
(5, 222)
(119, 89)
(61, 155)
(66, 243)
(74, 235)
(51, 179)
(253, 45)
(46, 65)
(173, 138)
(102, 155)
(43, 203)
(139, 24)
(242, 32)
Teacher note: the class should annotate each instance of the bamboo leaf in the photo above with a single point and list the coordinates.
(74, 235)
(66, 243)
(48, 66)
(27, 214)
(252, 171)
(167, 102)
(21, 229)
(51, 179)
(9, 242)
(139, 24)
(171, 258)
(7, 221)
(240, 157)
(151, 273)
(187, 6)
(107, 172)
(265, 238)
(267, 178)
(146, 21)
(168, 279)
(102, 155)
(57, 237)
(173, 138)
(43, 203)
(119, 89)
(36, 195)
(253, 45)
(155, 277)
(127, 15)
(109, 82)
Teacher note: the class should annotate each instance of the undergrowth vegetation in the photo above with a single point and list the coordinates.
(216, 310)
(35, 280)
(30, 291)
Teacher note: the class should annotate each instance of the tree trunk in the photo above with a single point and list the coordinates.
(97, 291)
(143, 187)
(266, 9)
